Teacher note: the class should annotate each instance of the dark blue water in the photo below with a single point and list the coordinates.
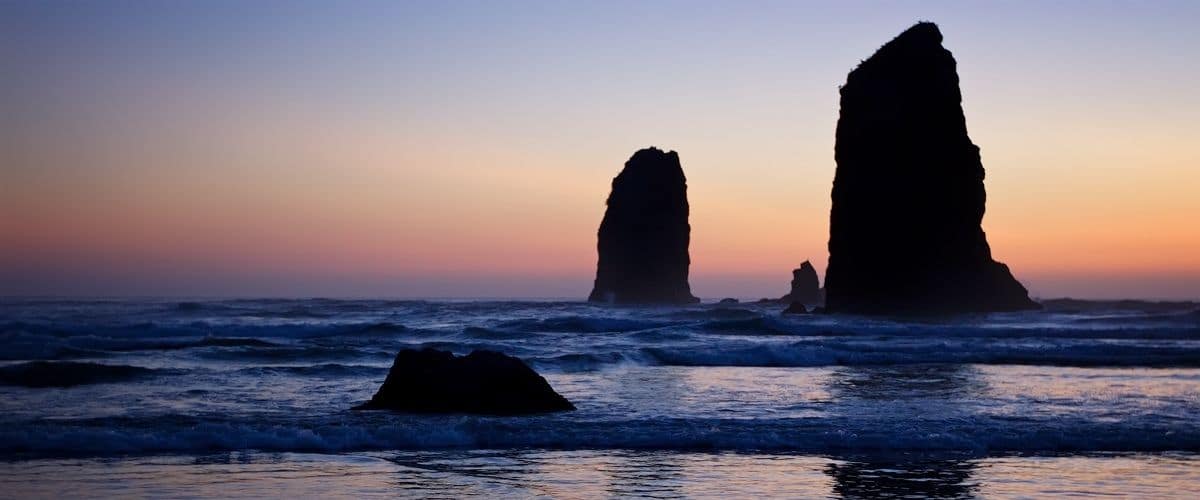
(279, 376)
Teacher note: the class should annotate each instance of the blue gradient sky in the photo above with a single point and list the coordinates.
(466, 148)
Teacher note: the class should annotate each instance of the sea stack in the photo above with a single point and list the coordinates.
(643, 239)
(908, 195)
(806, 287)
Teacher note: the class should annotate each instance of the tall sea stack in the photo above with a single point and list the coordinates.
(908, 195)
(643, 239)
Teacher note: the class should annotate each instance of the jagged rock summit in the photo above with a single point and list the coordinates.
(908, 194)
(482, 382)
(643, 239)
(806, 287)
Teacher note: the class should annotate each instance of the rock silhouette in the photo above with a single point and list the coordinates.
(806, 287)
(796, 308)
(643, 239)
(908, 194)
(482, 382)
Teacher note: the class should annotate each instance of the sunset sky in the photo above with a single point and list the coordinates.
(465, 149)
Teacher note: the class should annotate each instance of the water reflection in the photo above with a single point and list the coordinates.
(602, 473)
(606, 473)
(655, 475)
(517, 473)
(453, 474)
(922, 383)
(917, 393)
(903, 477)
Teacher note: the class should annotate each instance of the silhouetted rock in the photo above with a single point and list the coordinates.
(483, 382)
(908, 195)
(806, 287)
(643, 239)
(728, 301)
(796, 308)
(68, 373)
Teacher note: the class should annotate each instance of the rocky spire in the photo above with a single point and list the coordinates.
(643, 239)
(806, 287)
(908, 195)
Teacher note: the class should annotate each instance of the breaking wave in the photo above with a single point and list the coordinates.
(581, 324)
(321, 370)
(103, 437)
(801, 354)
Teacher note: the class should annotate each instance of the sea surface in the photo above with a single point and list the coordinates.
(237, 398)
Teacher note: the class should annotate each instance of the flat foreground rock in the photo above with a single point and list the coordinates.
(482, 382)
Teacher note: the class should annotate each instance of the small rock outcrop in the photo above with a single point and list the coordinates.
(806, 287)
(643, 239)
(482, 382)
(796, 308)
(908, 195)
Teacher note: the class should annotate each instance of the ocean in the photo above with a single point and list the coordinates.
(243, 398)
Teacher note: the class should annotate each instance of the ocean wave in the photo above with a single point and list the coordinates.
(202, 329)
(286, 308)
(298, 353)
(1141, 306)
(131, 345)
(1181, 318)
(807, 354)
(581, 324)
(717, 313)
(367, 329)
(24, 341)
(759, 325)
(477, 332)
(319, 351)
(586, 362)
(820, 326)
(319, 370)
(24, 346)
(41, 374)
(381, 431)
(206, 307)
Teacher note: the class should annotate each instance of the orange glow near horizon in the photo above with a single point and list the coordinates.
(537, 219)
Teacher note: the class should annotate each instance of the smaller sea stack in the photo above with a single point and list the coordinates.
(482, 382)
(643, 239)
(806, 287)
